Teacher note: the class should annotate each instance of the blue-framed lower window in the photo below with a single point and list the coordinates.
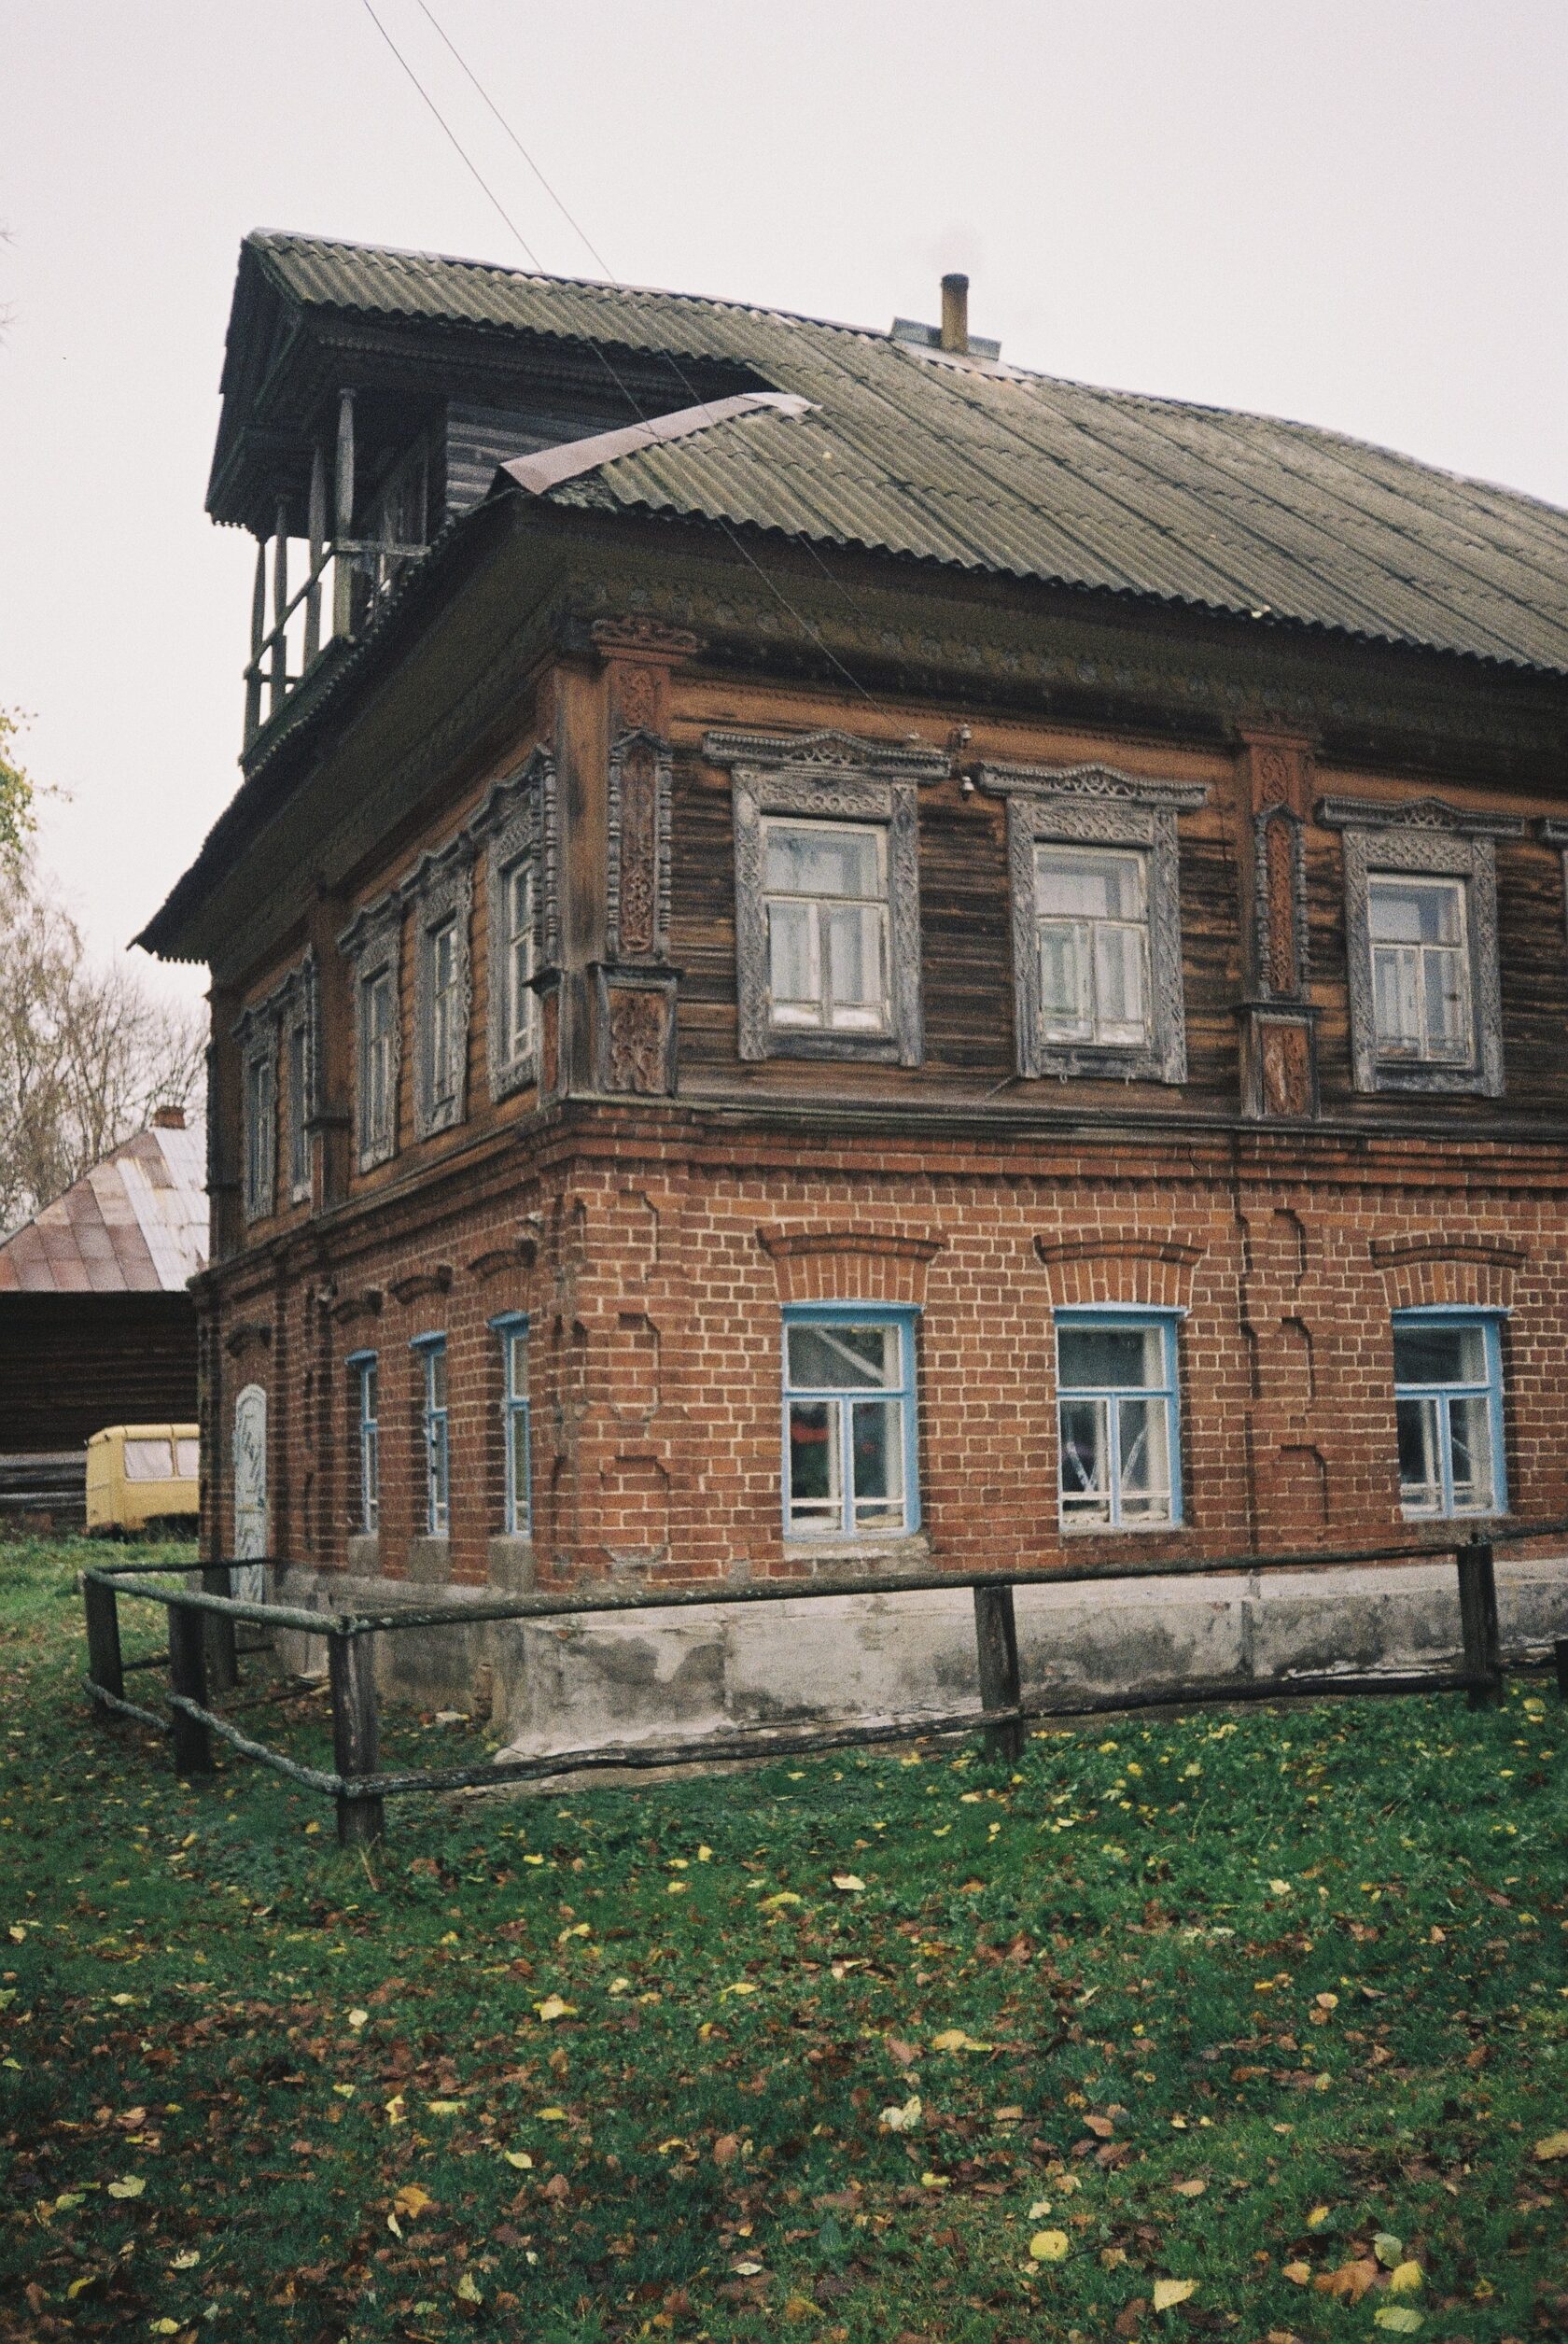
(438, 1448)
(1118, 1420)
(517, 1514)
(849, 1428)
(1448, 1392)
(364, 1367)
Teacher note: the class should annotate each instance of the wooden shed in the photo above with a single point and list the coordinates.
(96, 1324)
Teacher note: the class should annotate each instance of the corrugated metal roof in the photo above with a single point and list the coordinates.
(992, 468)
(134, 1224)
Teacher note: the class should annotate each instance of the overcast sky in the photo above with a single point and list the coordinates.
(1355, 215)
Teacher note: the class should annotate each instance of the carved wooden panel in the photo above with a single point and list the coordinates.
(639, 875)
(636, 1036)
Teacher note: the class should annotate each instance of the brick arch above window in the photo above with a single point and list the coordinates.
(849, 1265)
(1121, 1268)
(1448, 1274)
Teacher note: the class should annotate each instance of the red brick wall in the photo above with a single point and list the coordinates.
(653, 1257)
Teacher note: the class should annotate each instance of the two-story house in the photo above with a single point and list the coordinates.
(832, 950)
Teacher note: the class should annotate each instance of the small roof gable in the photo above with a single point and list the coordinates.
(134, 1224)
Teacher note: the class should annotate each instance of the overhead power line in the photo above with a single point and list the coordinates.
(812, 634)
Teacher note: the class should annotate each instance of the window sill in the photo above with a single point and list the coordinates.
(811, 1042)
(900, 1550)
(429, 1559)
(511, 1560)
(364, 1551)
(1121, 1529)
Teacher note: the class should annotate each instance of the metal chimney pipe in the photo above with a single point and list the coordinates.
(954, 314)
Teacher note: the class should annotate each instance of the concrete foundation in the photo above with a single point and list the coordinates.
(610, 1677)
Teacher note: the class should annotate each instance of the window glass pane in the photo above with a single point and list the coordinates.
(435, 1376)
(877, 1434)
(842, 1358)
(517, 1442)
(792, 958)
(1445, 1002)
(1064, 976)
(517, 1365)
(854, 939)
(1395, 978)
(1123, 1359)
(1119, 984)
(149, 1460)
(1439, 1355)
(187, 1459)
(1470, 1450)
(1145, 1459)
(1084, 1470)
(816, 1487)
(833, 861)
(1421, 1474)
(1082, 883)
(1416, 911)
(368, 1389)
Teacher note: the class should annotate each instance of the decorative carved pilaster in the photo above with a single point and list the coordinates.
(1279, 1057)
(638, 865)
(634, 1031)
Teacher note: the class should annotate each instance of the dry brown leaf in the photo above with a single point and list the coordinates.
(1100, 2126)
(1350, 2281)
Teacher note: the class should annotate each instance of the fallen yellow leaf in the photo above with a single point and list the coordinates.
(848, 1880)
(129, 2187)
(1169, 2292)
(1298, 2273)
(519, 2157)
(1554, 2145)
(1405, 2279)
(552, 2007)
(1048, 2246)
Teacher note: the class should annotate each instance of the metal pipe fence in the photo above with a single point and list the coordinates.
(203, 1654)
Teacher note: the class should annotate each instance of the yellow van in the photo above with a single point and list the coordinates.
(141, 1474)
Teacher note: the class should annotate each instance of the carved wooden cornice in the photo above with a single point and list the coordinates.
(1093, 781)
(1421, 813)
(827, 752)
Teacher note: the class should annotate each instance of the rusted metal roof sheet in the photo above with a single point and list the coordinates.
(991, 469)
(134, 1224)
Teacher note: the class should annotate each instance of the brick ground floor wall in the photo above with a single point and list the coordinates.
(655, 1255)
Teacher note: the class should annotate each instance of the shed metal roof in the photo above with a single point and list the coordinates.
(136, 1224)
(990, 469)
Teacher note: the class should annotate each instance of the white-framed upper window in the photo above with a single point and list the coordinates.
(1094, 871)
(517, 1516)
(519, 953)
(1422, 956)
(1092, 913)
(825, 900)
(378, 1062)
(260, 1129)
(435, 1428)
(1448, 1385)
(1419, 932)
(850, 1430)
(1117, 1415)
(364, 1367)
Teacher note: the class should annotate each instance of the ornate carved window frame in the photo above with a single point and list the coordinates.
(1099, 805)
(373, 943)
(440, 890)
(517, 822)
(1424, 837)
(829, 777)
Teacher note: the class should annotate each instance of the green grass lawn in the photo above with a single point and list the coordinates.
(896, 2049)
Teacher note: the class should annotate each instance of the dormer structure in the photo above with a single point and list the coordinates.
(830, 950)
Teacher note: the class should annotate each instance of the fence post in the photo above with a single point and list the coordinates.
(104, 1666)
(188, 1674)
(355, 1733)
(996, 1638)
(1559, 1652)
(1478, 1621)
(223, 1661)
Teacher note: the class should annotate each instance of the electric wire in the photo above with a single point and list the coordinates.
(812, 634)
